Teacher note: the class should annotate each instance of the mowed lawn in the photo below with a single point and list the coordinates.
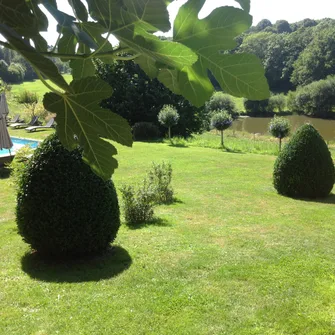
(35, 86)
(230, 256)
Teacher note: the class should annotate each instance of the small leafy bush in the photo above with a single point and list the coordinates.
(26, 97)
(221, 121)
(63, 208)
(279, 127)
(277, 103)
(316, 99)
(168, 117)
(159, 178)
(137, 204)
(145, 131)
(304, 168)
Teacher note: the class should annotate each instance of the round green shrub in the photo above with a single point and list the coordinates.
(63, 208)
(221, 120)
(279, 127)
(304, 168)
(145, 131)
(168, 116)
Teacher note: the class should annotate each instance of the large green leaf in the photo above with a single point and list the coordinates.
(170, 79)
(67, 22)
(95, 31)
(39, 62)
(40, 43)
(218, 29)
(81, 120)
(82, 68)
(148, 65)
(40, 17)
(195, 84)
(245, 4)
(240, 75)
(105, 11)
(153, 12)
(79, 9)
(132, 24)
(67, 44)
(17, 15)
(136, 36)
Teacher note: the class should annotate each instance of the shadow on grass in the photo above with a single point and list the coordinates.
(4, 173)
(113, 262)
(328, 200)
(178, 145)
(232, 151)
(176, 200)
(159, 222)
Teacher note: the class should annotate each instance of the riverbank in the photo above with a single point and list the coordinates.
(260, 125)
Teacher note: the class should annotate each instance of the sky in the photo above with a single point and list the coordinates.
(290, 10)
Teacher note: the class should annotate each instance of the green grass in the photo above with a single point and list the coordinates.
(37, 135)
(235, 142)
(35, 86)
(230, 257)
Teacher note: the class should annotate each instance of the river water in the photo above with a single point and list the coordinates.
(261, 125)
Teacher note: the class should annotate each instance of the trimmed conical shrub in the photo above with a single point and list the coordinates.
(63, 208)
(304, 168)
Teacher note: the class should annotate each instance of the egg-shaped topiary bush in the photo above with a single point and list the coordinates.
(304, 168)
(63, 208)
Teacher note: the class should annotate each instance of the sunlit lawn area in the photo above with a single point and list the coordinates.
(229, 257)
(237, 142)
(35, 86)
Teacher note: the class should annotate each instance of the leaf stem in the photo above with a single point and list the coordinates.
(112, 54)
(56, 44)
(6, 45)
(107, 54)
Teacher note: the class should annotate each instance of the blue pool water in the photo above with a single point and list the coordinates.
(17, 144)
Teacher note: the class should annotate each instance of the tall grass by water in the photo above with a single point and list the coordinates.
(235, 141)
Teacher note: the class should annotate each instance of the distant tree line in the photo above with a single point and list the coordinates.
(292, 54)
(297, 57)
(14, 69)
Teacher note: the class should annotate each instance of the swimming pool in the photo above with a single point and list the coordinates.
(17, 144)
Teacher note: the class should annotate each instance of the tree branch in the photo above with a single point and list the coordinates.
(6, 45)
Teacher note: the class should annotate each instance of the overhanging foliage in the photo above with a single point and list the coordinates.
(181, 64)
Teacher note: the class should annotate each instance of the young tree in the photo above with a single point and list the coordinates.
(168, 117)
(221, 120)
(279, 127)
(181, 64)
